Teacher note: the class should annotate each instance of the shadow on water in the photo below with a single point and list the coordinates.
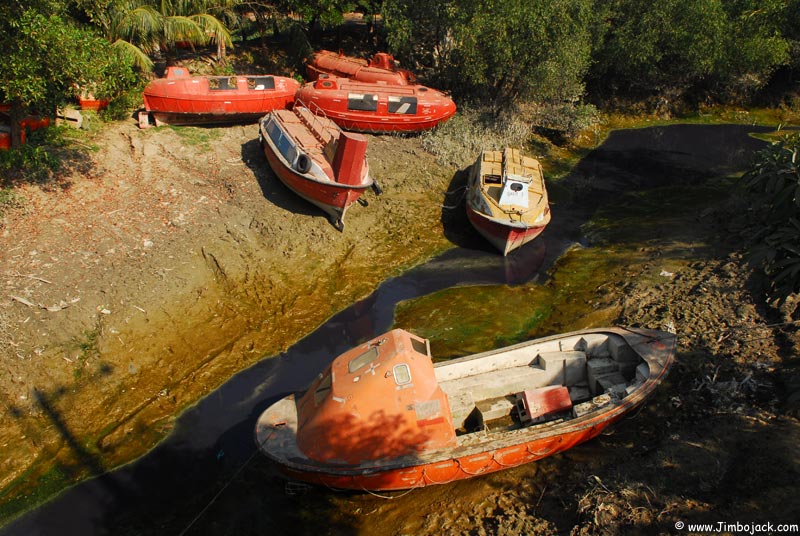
(207, 477)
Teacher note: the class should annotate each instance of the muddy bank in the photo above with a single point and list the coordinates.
(713, 445)
(132, 291)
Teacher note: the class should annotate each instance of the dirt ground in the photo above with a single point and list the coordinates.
(175, 258)
(171, 260)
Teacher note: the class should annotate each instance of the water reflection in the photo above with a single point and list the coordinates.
(214, 439)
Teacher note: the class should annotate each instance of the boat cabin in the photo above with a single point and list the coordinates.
(379, 400)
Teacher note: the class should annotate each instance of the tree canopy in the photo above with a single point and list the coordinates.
(47, 59)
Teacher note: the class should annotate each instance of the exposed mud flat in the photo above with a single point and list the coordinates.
(131, 292)
(191, 261)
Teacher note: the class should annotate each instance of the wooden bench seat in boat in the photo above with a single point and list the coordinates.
(528, 372)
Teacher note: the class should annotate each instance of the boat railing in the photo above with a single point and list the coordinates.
(317, 127)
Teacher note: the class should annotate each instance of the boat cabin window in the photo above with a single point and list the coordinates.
(222, 82)
(363, 102)
(363, 360)
(419, 346)
(402, 374)
(322, 389)
(492, 179)
(284, 144)
(402, 105)
(260, 83)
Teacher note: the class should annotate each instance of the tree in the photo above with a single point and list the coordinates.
(140, 28)
(506, 49)
(679, 46)
(518, 49)
(46, 56)
(772, 185)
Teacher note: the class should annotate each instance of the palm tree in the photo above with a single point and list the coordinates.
(140, 28)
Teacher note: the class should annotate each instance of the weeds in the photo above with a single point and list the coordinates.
(9, 199)
(459, 141)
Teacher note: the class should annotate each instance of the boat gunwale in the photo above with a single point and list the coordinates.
(482, 190)
(503, 439)
(331, 182)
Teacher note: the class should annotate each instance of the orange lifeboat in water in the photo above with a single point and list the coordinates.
(382, 67)
(378, 108)
(383, 416)
(183, 99)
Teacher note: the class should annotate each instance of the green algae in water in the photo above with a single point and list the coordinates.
(464, 320)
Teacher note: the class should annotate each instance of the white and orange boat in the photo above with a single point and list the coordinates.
(315, 159)
(378, 108)
(383, 416)
(183, 99)
(382, 67)
(507, 199)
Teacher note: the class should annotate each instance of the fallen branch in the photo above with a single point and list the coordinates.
(23, 301)
(36, 277)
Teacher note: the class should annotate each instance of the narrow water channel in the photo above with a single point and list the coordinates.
(212, 449)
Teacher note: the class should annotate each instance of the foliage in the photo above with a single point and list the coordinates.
(46, 56)
(35, 162)
(773, 186)
(456, 142)
(9, 199)
(678, 46)
(523, 49)
(141, 28)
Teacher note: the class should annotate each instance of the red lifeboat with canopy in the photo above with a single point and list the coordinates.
(378, 108)
(382, 67)
(183, 99)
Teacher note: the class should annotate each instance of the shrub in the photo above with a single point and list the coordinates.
(773, 228)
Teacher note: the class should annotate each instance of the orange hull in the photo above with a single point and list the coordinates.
(451, 470)
(382, 68)
(181, 99)
(344, 433)
(378, 108)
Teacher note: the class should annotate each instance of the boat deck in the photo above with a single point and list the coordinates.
(587, 369)
(494, 165)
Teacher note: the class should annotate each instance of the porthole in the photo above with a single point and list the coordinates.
(402, 374)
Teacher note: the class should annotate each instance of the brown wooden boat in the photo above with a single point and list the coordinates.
(507, 199)
(316, 159)
(383, 416)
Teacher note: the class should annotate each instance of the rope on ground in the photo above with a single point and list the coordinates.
(460, 198)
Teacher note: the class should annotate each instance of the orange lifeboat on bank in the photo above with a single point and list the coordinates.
(383, 416)
(382, 67)
(315, 159)
(378, 108)
(183, 99)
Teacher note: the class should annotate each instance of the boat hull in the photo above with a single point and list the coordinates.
(196, 100)
(485, 452)
(452, 470)
(333, 199)
(504, 237)
(377, 108)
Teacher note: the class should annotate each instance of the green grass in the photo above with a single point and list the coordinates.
(197, 136)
